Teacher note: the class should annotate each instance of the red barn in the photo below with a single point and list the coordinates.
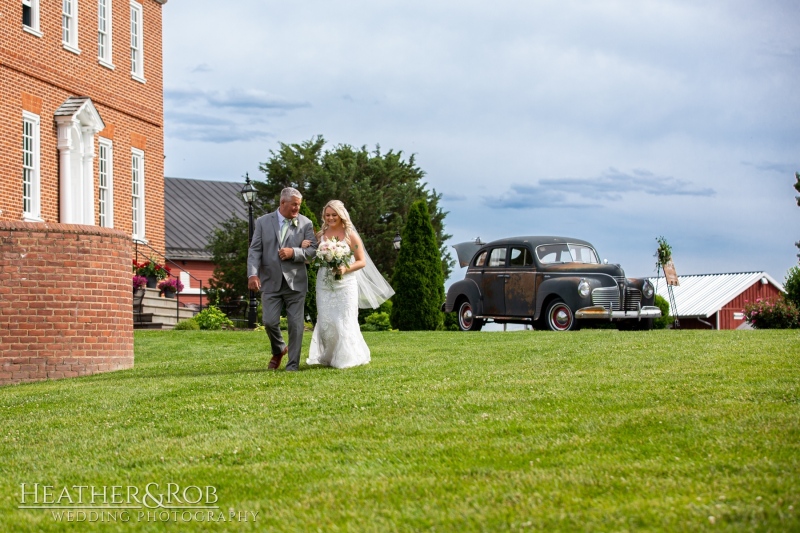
(716, 301)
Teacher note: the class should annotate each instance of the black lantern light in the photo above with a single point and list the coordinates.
(248, 193)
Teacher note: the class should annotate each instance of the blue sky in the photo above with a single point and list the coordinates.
(611, 121)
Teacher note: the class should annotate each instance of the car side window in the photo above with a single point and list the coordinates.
(498, 257)
(520, 257)
(481, 260)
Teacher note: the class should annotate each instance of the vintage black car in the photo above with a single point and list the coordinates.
(553, 283)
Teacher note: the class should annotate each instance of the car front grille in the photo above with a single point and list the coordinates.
(633, 299)
(607, 297)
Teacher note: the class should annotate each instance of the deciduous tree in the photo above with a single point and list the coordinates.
(228, 246)
(797, 198)
(311, 295)
(377, 188)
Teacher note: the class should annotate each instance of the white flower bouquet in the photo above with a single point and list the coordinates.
(334, 254)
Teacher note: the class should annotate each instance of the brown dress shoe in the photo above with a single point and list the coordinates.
(275, 362)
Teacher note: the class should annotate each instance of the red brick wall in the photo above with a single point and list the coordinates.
(39, 70)
(65, 301)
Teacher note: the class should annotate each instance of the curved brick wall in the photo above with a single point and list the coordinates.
(65, 301)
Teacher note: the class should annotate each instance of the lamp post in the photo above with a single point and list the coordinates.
(396, 241)
(248, 193)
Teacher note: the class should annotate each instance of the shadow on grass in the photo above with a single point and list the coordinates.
(134, 373)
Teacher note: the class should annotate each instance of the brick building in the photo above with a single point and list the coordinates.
(81, 177)
(82, 117)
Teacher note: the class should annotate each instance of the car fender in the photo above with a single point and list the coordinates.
(564, 287)
(468, 288)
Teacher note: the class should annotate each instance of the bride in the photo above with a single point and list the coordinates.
(337, 339)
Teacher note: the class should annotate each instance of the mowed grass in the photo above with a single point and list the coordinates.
(444, 431)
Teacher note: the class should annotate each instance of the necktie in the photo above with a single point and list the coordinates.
(285, 227)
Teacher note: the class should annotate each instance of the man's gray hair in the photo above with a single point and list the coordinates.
(290, 192)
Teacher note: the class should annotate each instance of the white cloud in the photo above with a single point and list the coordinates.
(522, 105)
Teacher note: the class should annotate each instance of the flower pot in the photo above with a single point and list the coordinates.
(152, 282)
(168, 293)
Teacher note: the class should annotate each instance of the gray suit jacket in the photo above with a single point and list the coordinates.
(263, 260)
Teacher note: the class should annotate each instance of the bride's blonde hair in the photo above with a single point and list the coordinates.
(344, 216)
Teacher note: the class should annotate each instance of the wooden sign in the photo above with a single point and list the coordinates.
(670, 274)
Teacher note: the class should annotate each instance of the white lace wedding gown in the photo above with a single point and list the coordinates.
(337, 339)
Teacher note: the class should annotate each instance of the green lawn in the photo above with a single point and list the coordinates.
(519, 431)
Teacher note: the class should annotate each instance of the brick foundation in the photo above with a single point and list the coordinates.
(65, 301)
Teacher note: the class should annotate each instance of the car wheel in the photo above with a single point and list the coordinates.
(559, 316)
(466, 318)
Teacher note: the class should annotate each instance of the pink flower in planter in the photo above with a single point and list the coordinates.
(171, 284)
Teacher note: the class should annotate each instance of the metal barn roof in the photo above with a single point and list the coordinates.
(702, 295)
(193, 209)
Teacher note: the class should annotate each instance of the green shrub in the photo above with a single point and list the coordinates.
(451, 321)
(212, 318)
(385, 307)
(773, 313)
(792, 286)
(665, 320)
(377, 322)
(190, 324)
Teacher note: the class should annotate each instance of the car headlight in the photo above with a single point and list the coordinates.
(647, 289)
(584, 289)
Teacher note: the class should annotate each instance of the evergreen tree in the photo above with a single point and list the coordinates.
(418, 280)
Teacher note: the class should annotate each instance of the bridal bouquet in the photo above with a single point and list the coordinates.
(333, 254)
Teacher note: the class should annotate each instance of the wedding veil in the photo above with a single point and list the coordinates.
(373, 290)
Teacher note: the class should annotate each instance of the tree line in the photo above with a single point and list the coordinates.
(378, 188)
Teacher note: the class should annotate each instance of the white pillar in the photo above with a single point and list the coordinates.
(66, 203)
(87, 183)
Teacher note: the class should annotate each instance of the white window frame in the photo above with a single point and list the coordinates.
(69, 25)
(105, 166)
(104, 33)
(137, 42)
(137, 194)
(33, 28)
(31, 168)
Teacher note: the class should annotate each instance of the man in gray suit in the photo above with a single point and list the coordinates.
(276, 265)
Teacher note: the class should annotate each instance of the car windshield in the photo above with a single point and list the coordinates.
(566, 253)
